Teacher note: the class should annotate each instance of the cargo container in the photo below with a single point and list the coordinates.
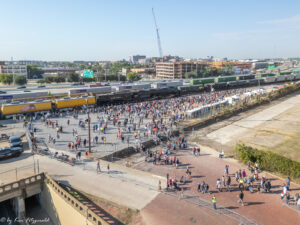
(225, 79)
(209, 80)
(24, 95)
(74, 102)
(20, 108)
(246, 77)
(133, 87)
(93, 90)
(167, 84)
(289, 77)
(265, 75)
(270, 79)
(280, 78)
(284, 73)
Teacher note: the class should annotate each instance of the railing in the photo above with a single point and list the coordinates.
(28, 137)
(10, 187)
(77, 205)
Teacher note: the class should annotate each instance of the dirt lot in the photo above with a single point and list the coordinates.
(274, 127)
(280, 135)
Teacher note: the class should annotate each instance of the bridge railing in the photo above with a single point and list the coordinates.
(7, 188)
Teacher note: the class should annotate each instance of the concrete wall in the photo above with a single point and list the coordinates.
(47, 203)
(60, 211)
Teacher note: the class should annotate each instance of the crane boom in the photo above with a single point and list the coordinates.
(157, 34)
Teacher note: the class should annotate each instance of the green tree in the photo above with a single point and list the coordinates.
(228, 68)
(55, 79)
(34, 72)
(73, 77)
(191, 74)
(88, 79)
(133, 76)
(6, 78)
(20, 80)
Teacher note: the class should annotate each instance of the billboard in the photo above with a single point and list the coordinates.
(87, 73)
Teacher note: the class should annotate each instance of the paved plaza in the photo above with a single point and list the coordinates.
(112, 142)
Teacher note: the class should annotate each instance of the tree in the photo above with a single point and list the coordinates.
(6, 78)
(73, 77)
(133, 76)
(34, 72)
(20, 80)
(88, 79)
(192, 74)
(55, 79)
(228, 68)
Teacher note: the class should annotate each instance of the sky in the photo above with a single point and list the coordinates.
(70, 30)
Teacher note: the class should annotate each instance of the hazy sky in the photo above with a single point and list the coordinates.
(117, 29)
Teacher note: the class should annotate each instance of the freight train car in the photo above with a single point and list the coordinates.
(17, 108)
(70, 103)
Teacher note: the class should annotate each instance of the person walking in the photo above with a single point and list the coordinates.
(108, 168)
(219, 185)
(288, 183)
(298, 204)
(214, 202)
(241, 198)
(98, 166)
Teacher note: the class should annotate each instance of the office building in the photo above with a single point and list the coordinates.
(177, 70)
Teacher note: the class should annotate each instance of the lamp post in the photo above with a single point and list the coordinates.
(89, 123)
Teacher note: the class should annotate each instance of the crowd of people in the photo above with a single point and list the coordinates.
(150, 119)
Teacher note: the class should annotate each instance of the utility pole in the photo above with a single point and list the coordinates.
(13, 70)
(89, 123)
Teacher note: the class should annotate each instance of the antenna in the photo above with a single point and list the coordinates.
(157, 34)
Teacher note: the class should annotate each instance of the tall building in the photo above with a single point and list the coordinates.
(177, 70)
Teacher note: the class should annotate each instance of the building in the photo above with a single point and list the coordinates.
(58, 71)
(12, 67)
(260, 65)
(32, 62)
(136, 58)
(177, 70)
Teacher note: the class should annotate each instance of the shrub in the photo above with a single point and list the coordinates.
(268, 161)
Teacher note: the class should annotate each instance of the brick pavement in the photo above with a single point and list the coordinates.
(262, 208)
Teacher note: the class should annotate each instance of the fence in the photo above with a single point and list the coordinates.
(18, 173)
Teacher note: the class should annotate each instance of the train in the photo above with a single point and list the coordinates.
(11, 110)
(35, 102)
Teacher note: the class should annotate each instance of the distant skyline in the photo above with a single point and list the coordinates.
(71, 30)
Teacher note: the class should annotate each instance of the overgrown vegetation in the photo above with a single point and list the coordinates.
(268, 161)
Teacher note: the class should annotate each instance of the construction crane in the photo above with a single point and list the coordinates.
(157, 34)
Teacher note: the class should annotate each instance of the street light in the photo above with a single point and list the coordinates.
(89, 123)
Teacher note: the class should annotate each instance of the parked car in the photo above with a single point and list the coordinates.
(6, 152)
(26, 91)
(41, 86)
(21, 87)
(15, 141)
(2, 92)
